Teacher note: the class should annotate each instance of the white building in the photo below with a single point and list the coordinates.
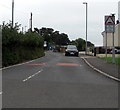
(110, 35)
(119, 10)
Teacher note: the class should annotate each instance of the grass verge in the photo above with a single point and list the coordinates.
(109, 59)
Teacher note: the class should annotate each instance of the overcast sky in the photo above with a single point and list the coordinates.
(66, 16)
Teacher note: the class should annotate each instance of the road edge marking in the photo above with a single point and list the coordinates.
(105, 74)
(0, 93)
(29, 77)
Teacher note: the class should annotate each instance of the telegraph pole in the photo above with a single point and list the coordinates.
(31, 22)
(12, 13)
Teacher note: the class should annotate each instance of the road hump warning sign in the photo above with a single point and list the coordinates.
(109, 20)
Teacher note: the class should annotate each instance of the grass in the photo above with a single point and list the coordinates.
(109, 59)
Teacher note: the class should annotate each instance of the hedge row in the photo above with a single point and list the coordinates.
(20, 54)
(18, 47)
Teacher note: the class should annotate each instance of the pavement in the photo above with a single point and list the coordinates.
(110, 70)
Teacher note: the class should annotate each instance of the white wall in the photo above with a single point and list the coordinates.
(110, 37)
(119, 34)
(119, 10)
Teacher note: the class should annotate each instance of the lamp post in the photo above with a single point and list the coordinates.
(12, 13)
(86, 27)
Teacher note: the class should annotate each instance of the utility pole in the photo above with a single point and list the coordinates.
(31, 22)
(12, 13)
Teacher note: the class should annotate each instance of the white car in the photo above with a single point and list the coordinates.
(116, 51)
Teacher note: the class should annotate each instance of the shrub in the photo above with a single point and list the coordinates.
(18, 47)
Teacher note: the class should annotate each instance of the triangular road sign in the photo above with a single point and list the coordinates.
(109, 21)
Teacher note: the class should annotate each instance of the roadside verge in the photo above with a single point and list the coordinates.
(100, 71)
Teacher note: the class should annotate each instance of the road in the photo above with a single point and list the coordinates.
(57, 81)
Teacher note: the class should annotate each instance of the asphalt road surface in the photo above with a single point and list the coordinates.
(57, 81)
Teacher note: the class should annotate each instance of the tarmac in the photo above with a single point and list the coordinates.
(103, 67)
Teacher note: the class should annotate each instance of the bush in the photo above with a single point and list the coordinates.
(18, 47)
(32, 40)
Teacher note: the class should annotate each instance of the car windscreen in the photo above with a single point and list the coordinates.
(71, 47)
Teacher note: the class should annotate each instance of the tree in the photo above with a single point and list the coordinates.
(63, 39)
(10, 35)
(36, 30)
(53, 37)
(80, 43)
(89, 44)
(60, 39)
(46, 33)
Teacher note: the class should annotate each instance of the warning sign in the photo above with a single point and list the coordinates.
(110, 24)
(109, 20)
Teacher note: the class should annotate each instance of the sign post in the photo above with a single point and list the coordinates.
(110, 28)
(106, 45)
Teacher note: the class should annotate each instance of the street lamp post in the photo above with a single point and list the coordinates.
(86, 26)
(12, 13)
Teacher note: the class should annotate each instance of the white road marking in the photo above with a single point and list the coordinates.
(0, 93)
(105, 74)
(81, 65)
(32, 75)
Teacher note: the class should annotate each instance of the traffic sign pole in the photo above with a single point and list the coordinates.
(110, 28)
(113, 51)
(106, 46)
(113, 55)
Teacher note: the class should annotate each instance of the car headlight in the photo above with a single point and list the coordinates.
(76, 50)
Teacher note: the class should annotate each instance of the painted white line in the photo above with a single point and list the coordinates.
(32, 75)
(0, 93)
(112, 77)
